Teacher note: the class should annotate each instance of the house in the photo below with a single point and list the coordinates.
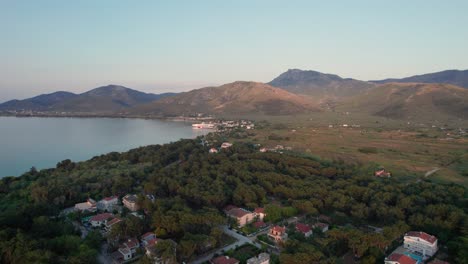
(89, 206)
(304, 229)
(322, 226)
(148, 238)
(226, 145)
(242, 216)
(260, 213)
(130, 201)
(263, 150)
(420, 242)
(213, 150)
(259, 224)
(263, 258)
(112, 222)
(324, 218)
(396, 258)
(108, 203)
(224, 260)
(278, 233)
(126, 251)
(100, 219)
(382, 173)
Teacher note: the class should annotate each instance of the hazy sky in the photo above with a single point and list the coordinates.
(160, 46)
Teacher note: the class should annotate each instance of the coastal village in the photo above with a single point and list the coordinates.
(249, 229)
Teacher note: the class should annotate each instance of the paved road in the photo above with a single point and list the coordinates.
(241, 240)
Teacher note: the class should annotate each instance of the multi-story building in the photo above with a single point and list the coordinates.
(278, 234)
(108, 203)
(421, 242)
(242, 216)
(130, 201)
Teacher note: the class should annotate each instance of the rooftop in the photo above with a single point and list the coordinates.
(303, 228)
(224, 260)
(422, 235)
(101, 217)
(402, 259)
(238, 212)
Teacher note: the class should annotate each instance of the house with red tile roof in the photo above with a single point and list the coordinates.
(242, 216)
(259, 224)
(112, 222)
(396, 258)
(148, 238)
(304, 229)
(260, 213)
(420, 242)
(127, 251)
(278, 233)
(100, 219)
(224, 260)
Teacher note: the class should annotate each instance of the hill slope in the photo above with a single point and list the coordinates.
(455, 77)
(233, 98)
(105, 99)
(319, 85)
(39, 103)
(412, 101)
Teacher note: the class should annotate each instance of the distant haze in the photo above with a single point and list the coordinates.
(171, 46)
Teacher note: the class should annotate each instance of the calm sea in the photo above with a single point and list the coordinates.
(42, 142)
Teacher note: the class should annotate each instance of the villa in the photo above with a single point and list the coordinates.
(224, 260)
(108, 203)
(278, 234)
(242, 216)
(260, 213)
(304, 229)
(100, 219)
(421, 242)
(89, 206)
(130, 201)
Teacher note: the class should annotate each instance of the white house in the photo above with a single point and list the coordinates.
(108, 203)
(263, 258)
(421, 242)
(100, 219)
(89, 205)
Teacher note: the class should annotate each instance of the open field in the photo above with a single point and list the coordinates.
(408, 152)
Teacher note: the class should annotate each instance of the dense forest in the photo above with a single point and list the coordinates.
(192, 186)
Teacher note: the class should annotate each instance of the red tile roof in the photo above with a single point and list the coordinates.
(101, 217)
(259, 210)
(321, 225)
(224, 260)
(303, 228)
(131, 243)
(238, 212)
(146, 235)
(109, 198)
(259, 224)
(113, 221)
(402, 259)
(278, 229)
(422, 235)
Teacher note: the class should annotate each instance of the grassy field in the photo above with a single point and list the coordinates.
(406, 150)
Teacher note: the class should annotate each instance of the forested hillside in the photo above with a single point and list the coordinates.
(191, 188)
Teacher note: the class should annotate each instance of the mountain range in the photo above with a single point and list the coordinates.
(103, 100)
(441, 94)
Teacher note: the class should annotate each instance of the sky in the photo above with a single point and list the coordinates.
(162, 46)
